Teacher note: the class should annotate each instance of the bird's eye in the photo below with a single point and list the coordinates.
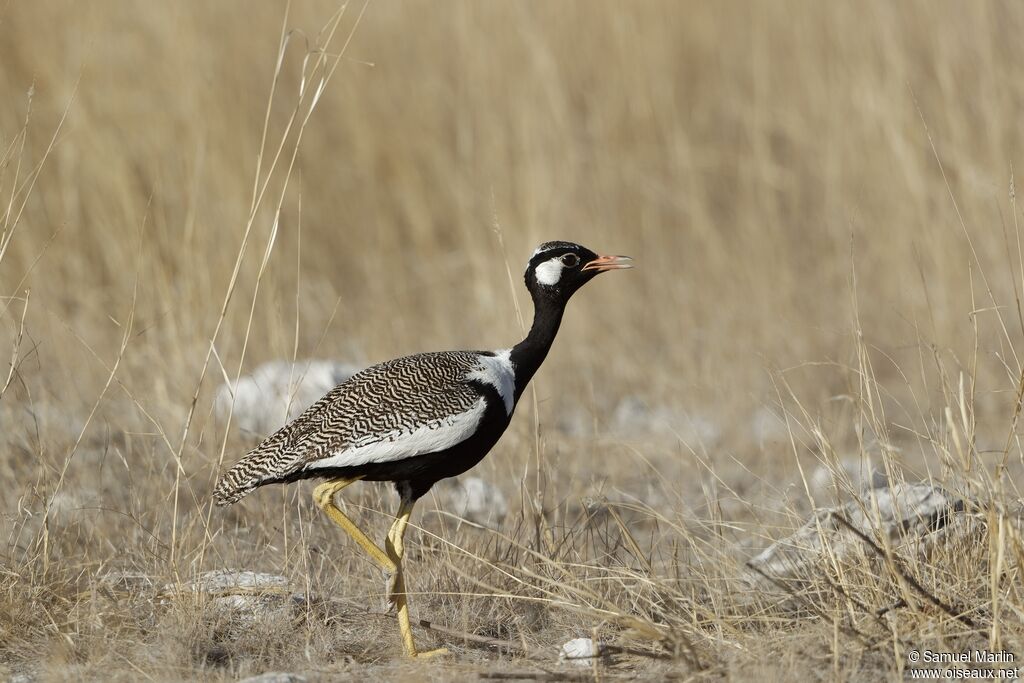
(570, 260)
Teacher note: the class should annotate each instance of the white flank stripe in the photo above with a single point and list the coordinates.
(497, 371)
(550, 272)
(421, 441)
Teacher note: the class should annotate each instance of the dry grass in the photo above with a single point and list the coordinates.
(819, 197)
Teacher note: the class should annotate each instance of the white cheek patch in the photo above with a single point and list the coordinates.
(549, 272)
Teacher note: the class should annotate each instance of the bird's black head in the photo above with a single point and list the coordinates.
(557, 269)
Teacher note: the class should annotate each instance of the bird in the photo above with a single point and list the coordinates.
(416, 420)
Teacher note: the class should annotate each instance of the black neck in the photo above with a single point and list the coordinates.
(528, 354)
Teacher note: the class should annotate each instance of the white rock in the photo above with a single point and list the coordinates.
(474, 499)
(634, 417)
(275, 677)
(241, 597)
(231, 582)
(862, 477)
(581, 651)
(766, 426)
(52, 418)
(256, 604)
(249, 608)
(134, 582)
(574, 421)
(905, 513)
(277, 392)
(67, 504)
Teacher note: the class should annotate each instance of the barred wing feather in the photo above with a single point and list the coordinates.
(391, 411)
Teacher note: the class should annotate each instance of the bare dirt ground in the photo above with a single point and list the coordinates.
(820, 200)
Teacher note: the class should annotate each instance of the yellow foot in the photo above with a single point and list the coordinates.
(439, 652)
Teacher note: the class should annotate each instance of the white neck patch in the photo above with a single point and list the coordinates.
(549, 272)
(497, 371)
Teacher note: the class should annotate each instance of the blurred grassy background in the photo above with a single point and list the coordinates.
(750, 156)
(736, 150)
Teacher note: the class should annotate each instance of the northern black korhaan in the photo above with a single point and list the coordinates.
(418, 419)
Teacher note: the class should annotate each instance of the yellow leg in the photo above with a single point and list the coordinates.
(324, 497)
(390, 561)
(396, 548)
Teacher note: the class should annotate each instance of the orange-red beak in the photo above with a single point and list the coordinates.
(602, 263)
